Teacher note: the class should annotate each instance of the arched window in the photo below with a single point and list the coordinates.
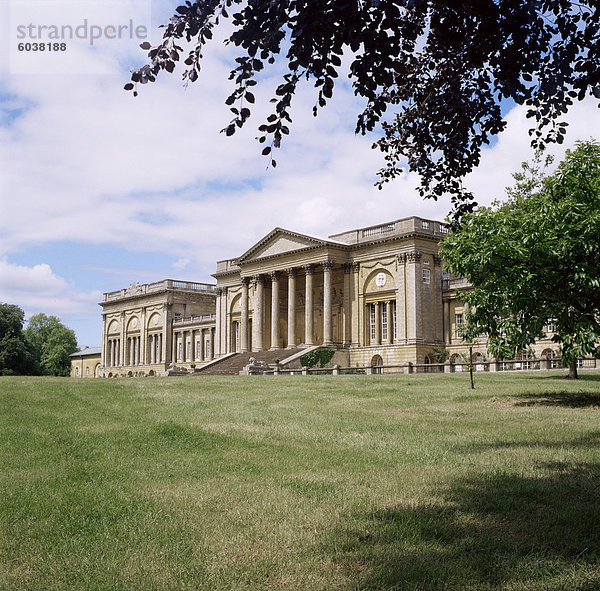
(377, 364)
(427, 364)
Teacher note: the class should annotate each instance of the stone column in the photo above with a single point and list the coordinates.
(258, 314)
(203, 352)
(274, 310)
(192, 351)
(377, 323)
(211, 344)
(291, 273)
(327, 302)
(244, 319)
(111, 352)
(152, 350)
(138, 341)
(308, 306)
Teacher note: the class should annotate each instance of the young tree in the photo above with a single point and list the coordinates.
(536, 257)
(433, 74)
(51, 343)
(15, 356)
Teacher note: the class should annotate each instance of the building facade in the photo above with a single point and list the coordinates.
(378, 295)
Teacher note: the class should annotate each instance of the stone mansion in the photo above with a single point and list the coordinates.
(377, 295)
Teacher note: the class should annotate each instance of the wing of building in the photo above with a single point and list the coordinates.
(377, 295)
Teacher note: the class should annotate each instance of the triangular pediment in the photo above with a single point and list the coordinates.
(279, 242)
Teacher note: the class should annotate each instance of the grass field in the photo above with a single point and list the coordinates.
(314, 483)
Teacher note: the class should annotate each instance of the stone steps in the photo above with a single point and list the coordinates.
(234, 364)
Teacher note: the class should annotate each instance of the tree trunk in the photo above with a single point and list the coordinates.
(471, 367)
(573, 370)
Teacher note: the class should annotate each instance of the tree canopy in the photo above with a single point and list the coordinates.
(536, 258)
(51, 343)
(15, 356)
(434, 75)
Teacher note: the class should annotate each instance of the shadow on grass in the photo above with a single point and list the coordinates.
(562, 398)
(492, 532)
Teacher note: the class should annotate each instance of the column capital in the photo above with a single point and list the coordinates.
(328, 264)
(245, 280)
(274, 275)
(291, 271)
(308, 269)
(437, 260)
(258, 279)
(348, 267)
(413, 256)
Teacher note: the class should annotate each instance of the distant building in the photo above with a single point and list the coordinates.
(86, 363)
(378, 295)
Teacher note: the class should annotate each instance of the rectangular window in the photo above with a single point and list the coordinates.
(87, 371)
(458, 321)
(443, 229)
(551, 326)
(425, 225)
(372, 322)
(394, 327)
(384, 322)
(426, 276)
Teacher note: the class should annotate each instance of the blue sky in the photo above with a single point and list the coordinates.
(98, 189)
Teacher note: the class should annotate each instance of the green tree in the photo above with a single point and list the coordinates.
(15, 354)
(536, 257)
(51, 343)
(433, 75)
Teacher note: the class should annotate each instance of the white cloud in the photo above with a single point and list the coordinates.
(39, 289)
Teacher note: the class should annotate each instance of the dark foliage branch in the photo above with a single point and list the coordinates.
(433, 74)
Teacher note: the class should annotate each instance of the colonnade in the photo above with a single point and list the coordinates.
(259, 309)
(133, 353)
(185, 348)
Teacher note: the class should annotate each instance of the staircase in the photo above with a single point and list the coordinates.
(234, 364)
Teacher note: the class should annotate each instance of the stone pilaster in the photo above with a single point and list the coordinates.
(219, 328)
(356, 307)
(414, 286)
(122, 347)
(347, 325)
(165, 340)
(244, 319)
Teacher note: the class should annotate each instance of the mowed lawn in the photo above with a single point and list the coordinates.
(301, 483)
